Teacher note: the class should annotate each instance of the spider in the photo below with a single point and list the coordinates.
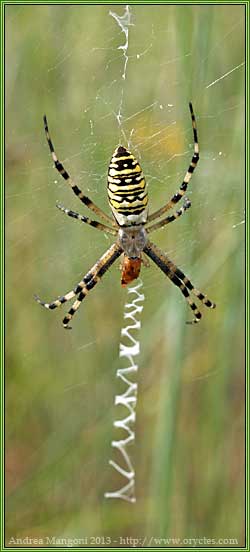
(128, 199)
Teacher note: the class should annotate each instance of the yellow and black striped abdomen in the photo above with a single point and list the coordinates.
(127, 189)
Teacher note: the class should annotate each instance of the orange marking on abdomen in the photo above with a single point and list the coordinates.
(130, 270)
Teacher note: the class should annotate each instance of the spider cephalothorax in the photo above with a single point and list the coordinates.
(132, 240)
(128, 198)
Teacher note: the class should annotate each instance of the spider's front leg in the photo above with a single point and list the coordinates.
(178, 278)
(86, 284)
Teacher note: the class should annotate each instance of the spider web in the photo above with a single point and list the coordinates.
(100, 87)
(157, 131)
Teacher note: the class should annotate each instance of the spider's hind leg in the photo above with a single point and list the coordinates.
(62, 171)
(183, 188)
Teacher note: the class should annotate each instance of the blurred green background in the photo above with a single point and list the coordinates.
(188, 455)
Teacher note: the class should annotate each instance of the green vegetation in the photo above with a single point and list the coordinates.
(189, 449)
